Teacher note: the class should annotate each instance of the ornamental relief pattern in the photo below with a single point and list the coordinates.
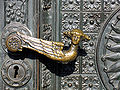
(110, 5)
(91, 5)
(108, 49)
(70, 83)
(88, 64)
(47, 4)
(90, 82)
(70, 5)
(47, 32)
(46, 77)
(112, 55)
(47, 29)
(90, 46)
(91, 22)
(91, 25)
(15, 11)
(77, 66)
(69, 21)
(23, 88)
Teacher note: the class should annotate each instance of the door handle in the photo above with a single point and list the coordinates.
(16, 36)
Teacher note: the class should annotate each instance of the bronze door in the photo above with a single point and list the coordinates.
(97, 64)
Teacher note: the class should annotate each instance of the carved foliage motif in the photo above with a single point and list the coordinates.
(46, 35)
(69, 21)
(110, 5)
(77, 67)
(46, 77)
(88, 65)
(70, 5)
(91, 25)
(70, 83)
(90, 82)
(16, 11)
(47, 32)
(91, 5)
(47, 4)
(106, 15)
(91, 22)
(90, 46)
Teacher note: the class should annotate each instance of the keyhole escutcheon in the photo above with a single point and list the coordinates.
(16, 68)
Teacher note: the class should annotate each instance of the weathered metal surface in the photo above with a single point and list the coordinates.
(16, 73)
(51, 18)
(108, 52)
(16, 11)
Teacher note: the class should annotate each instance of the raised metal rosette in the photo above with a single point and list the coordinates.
(10, 41)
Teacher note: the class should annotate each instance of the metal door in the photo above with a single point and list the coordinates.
(48, 19)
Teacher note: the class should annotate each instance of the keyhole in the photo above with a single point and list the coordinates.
(16, 68)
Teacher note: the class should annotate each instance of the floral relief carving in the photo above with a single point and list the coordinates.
(90, 46)
(77, 66)
(110, 5)
(91, 22)
(88, 65)
(16, 11)
(47, 31)
(70, 5)
(90, 82)
(46, 77)
(92, 5)
(47, 6)
(69, 21)
(70, 83)
(46, 74)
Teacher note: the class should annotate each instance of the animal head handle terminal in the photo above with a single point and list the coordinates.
(16, 41)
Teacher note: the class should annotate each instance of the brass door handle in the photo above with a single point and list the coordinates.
(16, 36)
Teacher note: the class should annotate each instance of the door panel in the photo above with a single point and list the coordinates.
(16, 11)
(48, 19)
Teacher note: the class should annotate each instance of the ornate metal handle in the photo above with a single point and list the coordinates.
(17, 36)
